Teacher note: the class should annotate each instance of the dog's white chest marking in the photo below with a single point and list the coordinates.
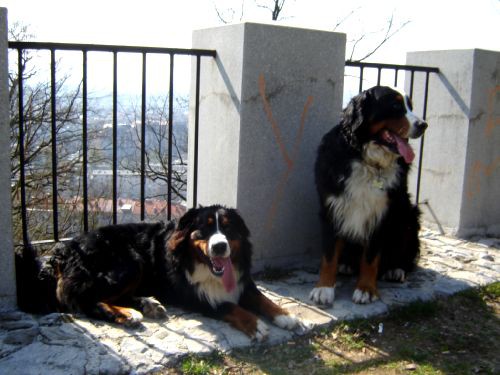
(210, 287)
(358, 210)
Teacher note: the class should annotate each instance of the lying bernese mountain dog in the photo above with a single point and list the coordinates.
(369, 225)
(120, 273)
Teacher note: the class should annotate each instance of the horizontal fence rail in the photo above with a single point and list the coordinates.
(84, 49)
(412, 69)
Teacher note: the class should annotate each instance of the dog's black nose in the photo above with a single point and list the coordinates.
(421, 126)
(219, 248)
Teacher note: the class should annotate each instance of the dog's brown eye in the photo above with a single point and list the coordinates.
(397, 106)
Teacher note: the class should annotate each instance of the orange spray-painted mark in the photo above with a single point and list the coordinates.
(492, 119)
(479, 169)
(289, 158)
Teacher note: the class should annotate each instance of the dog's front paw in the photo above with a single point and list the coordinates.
(152, 308)
(396, 274)
(129, 317)
(364, 295)
(286, 321)
(261, 331)
(322, 295)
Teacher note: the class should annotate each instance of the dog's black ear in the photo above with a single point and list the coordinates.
(353, 117)
(187, 220)
(182, 229)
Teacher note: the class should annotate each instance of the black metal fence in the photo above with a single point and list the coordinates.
(84, 49)
(391, 79)
(369, 74)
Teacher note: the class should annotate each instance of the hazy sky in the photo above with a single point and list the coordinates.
(434, 24)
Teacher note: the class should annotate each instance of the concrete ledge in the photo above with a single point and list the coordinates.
(64, 344)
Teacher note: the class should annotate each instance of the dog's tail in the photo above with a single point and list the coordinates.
(36, 282)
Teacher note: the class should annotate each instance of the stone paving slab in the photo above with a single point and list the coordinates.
(70, 344)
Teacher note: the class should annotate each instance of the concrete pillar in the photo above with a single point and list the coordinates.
(7, 273)
(461, 163)
(266, 101)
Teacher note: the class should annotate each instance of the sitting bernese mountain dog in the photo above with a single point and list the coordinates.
(120, 273)
(369, 225)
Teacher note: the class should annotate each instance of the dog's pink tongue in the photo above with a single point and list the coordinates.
(228, 279)
(404, 149)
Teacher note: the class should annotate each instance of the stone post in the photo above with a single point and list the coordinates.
(7, 273)
(461, 162)
(266, 101)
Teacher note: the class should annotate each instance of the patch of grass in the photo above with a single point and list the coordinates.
(425, 369)
(416, 310)
(491, 291)
(352, 334)
(201, 365)
(454, 335)
(412, 353)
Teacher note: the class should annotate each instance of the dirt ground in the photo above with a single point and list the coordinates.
(455, 335)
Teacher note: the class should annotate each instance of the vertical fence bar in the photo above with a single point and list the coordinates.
(426, 93)
(196, 131)
(115, 137)
(361, 78)
(143, 138)
(53, 106)
(424, 115)
(396, 71)
(170, 134)
(412, 79)
(85, 145)
(379, 74)
(22, 172)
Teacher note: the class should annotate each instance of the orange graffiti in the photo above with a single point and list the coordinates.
(492, 119)
(480, 169)
(289, 158)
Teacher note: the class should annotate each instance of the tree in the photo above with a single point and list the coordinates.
(156, 157)
(38, 144)
(374, 39)
(274, 7)
(382, 36)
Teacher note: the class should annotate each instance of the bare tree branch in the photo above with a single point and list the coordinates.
(223, 18)
(156, 157)
(275, 8)
(353, 49)
(388, 35)
(37, 144)
(339, 23)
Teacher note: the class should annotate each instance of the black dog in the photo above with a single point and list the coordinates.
(369, 225)
(119, 273)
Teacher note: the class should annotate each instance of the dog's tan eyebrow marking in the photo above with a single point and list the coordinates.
(400, 98)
